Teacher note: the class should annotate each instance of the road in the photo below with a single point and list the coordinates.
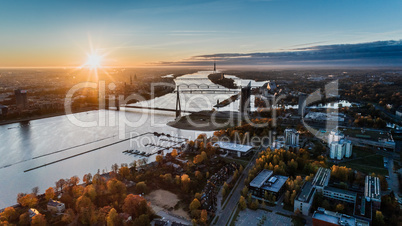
(225, 213)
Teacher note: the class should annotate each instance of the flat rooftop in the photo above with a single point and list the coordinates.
(372, 188)
(337, 218)
(338, 190)
(259, 180)
(306, 193)
(281, 180)
(322, 177)
(233, 146)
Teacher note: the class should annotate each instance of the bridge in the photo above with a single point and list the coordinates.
(178, 109)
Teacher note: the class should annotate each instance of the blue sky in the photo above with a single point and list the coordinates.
(130, 33)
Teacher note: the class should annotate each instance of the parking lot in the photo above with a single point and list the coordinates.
(251, 217)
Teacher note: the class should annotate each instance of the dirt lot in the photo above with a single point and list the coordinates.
(165, 200)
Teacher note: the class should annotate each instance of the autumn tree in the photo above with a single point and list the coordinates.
(141, 187)
(90, 192)
(87, 178)
(339, 208)
(112, 218)
(195, 204)
(242, 203)
(124, 172)
(185, 182)
(135, 205)
(24, 219)
(159, 159)
(29, 200)
(9, 214)
(49, 193)
(68, 216)
(38, 220)
(116, 189)
(204, 216)
(142, 220)
(174, 153)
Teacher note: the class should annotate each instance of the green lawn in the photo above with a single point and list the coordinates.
(369, 164)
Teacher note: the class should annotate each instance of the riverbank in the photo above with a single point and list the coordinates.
(49, 115)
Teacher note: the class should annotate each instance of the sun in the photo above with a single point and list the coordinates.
(94, 60)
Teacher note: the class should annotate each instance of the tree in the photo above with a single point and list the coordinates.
(195, 204)
(185, 182)
(87, 178)
(29, 200)
(159, 159)
(254, 205)
(198, 175)
(124, 172)
(174, 153)
(204, 216)
(24, 219)
(117, 189)
(326, 205)
(223, 191)
(69, 216)
(141, 187)
(112, 218)
(379, 218)
(60, 184)
(135, 205)
(244, 191)
(9, 214)
(115, 167)
(35, 191)
(49, 193)
(39, 220)
(339, 208)
(90, 192)
(142, 220)
(242, 203)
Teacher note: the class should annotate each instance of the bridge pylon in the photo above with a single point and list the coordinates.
(178, 105)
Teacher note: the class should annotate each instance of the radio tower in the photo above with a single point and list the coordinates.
(214, 66)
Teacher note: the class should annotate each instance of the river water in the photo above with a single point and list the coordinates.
(40, 152)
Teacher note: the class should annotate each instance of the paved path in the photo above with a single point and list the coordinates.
(233, 198)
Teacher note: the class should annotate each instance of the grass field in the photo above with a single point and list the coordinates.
(368, 165)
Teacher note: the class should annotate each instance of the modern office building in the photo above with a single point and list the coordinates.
(324, 217)
(265, 181)
(238, 150)
(291, 137)
(305, 198)
(321, 178)
(339, 194)
(372, 191)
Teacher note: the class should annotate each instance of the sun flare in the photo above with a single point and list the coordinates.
(94, 60)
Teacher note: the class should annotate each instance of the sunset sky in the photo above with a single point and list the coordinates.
(134, 33)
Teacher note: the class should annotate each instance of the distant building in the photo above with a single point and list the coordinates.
(325, 217)
(372, 191)
(305, 198)
(266, 182)
(55, 206)
(21, 98)
(340, 149)
(339, 194)
(291, 137)
(334, 135)
(236, 149)
(302, 103)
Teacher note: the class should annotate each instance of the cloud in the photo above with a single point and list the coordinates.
(380, 53)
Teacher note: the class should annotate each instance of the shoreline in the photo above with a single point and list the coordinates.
(50, 115)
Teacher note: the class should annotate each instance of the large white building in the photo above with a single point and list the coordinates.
(340, 149)
(291, 137)
(334, 135)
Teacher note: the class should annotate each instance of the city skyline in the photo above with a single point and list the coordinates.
(157, 33)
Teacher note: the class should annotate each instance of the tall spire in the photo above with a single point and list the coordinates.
(214, 66)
